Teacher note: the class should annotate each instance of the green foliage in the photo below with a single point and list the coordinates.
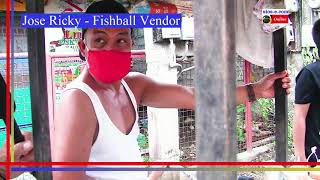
(240, 122)
(309, 55)
(240, 110)
(290, 125)
(240, 131)
(142, 141)
(146, 158)
(263, 108)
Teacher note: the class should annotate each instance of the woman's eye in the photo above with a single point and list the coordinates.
(122, 41)
(100, 41)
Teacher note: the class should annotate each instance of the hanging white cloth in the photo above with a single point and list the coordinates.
(252, 43)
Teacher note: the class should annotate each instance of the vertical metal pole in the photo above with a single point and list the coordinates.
(215, 84)
(281, 101)
(38, 86)
(248, 108)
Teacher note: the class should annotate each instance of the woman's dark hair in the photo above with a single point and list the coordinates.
(106, 7)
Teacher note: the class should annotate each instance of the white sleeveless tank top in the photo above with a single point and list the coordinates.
(111, 144)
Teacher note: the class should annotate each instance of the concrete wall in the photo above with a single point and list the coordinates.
(163, 123)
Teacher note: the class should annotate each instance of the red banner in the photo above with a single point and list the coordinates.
(161, 8)
(280, 19)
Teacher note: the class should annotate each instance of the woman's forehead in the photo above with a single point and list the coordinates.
(110, 31)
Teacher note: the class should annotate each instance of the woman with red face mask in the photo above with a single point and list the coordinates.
(96, 120)
(98, 111)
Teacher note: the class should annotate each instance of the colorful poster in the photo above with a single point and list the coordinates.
(64, 40)
(65, 71)
(68, 42)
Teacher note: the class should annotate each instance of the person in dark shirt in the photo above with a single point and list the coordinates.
(23, 151)
(2, 98)
(306, 125)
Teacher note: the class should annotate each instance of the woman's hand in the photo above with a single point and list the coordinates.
(265, 87)
(23, 152)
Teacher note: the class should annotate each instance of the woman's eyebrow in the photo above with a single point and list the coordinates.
(99, 32)
(123, 33)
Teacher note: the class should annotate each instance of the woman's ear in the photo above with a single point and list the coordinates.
(82, 49)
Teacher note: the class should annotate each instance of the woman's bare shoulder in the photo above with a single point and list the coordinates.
(75, 105)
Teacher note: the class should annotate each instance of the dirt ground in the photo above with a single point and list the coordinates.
(265, 157)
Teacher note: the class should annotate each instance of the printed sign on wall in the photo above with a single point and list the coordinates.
(65, 71)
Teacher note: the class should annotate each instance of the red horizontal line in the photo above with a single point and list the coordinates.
(164, 163)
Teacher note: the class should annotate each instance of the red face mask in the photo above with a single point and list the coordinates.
(108, 66)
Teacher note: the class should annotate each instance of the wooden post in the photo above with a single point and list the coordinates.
(38, 86)
(215, 84)
(281, 101)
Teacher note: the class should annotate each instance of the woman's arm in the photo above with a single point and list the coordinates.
(75, 123)
(161, 95)
(265, 87)
(299, 130)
